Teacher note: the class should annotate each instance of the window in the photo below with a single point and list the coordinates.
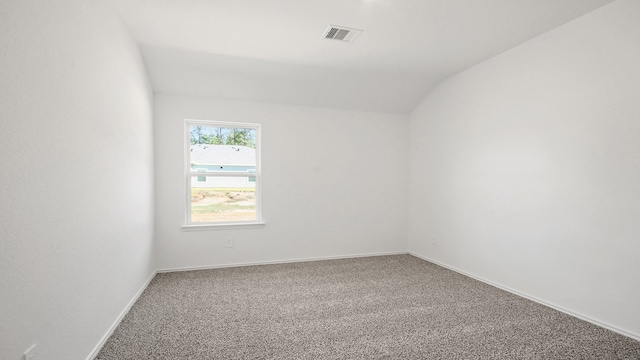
(222, 173)
(202, 178)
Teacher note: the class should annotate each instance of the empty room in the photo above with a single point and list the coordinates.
(337, 179)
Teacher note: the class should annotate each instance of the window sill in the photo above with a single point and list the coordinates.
(252, 225)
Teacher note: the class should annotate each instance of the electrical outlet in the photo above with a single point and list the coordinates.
(229, 243)
(31, 353)
(434, 241)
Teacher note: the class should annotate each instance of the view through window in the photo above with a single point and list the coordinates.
(222, 172)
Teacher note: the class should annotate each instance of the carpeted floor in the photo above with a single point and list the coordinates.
(387, 307)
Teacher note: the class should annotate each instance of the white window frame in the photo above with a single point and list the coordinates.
(188, 173)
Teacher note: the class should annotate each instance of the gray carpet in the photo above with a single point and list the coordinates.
(388, 307)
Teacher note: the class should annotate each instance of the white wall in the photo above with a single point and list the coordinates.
(334, 184)
(525, 169)
(76, 186)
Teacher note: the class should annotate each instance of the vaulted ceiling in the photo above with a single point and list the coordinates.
(273, 50)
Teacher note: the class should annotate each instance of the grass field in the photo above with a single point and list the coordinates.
(223, 204)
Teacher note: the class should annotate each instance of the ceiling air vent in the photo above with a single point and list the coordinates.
(341, 33)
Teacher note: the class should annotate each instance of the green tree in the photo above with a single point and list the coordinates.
(222, 136)
(197, 135)
(216, 137)
(241, 137)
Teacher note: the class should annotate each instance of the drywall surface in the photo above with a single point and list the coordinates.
(76, 181)
(525, 169)
(334, 183)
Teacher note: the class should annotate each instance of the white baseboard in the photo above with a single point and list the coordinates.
(205, 267)
(532, 298)
(115, 324)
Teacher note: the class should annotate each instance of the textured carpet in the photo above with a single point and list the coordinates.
(387, 307)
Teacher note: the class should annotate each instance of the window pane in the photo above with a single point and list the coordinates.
(223, 199)
(218, 149)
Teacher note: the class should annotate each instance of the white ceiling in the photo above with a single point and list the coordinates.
(272, 50)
